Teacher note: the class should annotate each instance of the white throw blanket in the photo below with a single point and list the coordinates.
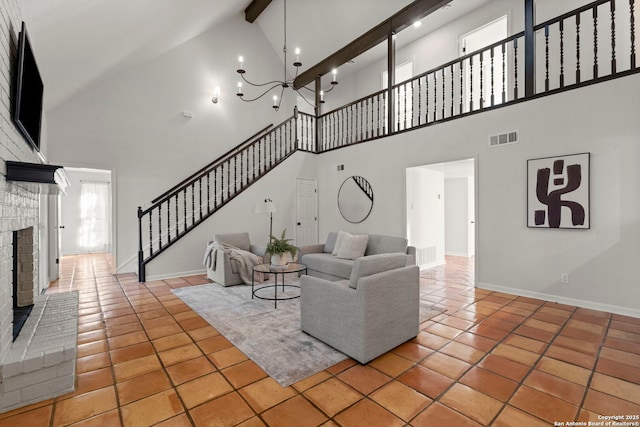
(242, 261)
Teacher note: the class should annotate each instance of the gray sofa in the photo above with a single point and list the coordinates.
(374, 311)
(320, 262)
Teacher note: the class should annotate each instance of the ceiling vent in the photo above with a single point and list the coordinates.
(504, 139)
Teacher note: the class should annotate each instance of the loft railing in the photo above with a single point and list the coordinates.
(588, 45)
(591, 44)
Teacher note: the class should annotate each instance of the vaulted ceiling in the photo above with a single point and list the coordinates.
(78, 42)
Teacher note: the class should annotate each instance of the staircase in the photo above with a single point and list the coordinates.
(589, 45)
(182, 208)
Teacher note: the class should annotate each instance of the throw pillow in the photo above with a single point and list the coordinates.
(339, 240)
(353, 247)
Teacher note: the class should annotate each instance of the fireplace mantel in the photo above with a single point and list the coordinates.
(51, 177)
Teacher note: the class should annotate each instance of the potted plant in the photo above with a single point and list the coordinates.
(278, 249)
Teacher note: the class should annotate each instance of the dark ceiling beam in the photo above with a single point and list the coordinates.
(407, 16)
(254, 10)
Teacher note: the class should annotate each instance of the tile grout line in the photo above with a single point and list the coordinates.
(595, 364)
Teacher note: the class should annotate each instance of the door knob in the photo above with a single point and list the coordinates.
(299, 224)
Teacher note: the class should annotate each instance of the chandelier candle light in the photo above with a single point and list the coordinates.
(285, 82)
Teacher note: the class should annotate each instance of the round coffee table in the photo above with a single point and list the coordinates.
(292, 267)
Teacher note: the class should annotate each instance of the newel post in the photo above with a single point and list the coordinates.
(141, 267)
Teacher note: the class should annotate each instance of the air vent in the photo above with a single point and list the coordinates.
(426, 255)
(503, 139)
(339, 168)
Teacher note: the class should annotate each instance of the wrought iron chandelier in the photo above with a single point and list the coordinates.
(285, 82)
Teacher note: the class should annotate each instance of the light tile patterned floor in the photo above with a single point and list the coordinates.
(492, 359)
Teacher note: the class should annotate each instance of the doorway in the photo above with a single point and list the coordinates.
(441, 211)
(479, 95)
(86, 220)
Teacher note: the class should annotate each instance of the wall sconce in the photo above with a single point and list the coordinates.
(216, 95)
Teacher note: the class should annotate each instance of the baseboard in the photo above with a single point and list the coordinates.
(155, 277)
(608, 308)
(461, 254)
(432, 264)
(121, 267)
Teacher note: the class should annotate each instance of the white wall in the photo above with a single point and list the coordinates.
(426, 212)
(133, 125)
(600, 119)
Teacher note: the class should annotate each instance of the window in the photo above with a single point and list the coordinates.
(94, 233)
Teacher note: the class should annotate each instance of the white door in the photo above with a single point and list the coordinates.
(476, 40)
(460, 214)
(306, 212)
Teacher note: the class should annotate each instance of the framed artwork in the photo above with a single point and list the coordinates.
(558, 192)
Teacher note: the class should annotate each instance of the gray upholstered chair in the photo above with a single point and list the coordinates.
(368, 315)
(224, 273)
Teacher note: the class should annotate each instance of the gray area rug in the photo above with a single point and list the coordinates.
(272, 338)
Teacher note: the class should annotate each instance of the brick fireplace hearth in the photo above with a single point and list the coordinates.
(40, 363)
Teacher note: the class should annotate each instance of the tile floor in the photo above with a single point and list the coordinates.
(492, 359)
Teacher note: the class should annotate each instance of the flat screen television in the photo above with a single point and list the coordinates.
(27, 113)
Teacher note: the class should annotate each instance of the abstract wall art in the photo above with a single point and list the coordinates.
(558, 192)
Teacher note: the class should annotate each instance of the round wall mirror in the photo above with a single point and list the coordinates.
(355, 199)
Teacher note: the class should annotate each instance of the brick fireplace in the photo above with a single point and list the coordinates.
(40, 363)
(20, 208)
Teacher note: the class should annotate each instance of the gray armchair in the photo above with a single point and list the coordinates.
(224, 273)
(368, 315)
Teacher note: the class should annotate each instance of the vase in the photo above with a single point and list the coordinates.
(279, 259)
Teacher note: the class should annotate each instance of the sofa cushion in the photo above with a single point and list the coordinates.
(239, 240)
(328, 264)
(339, 240)
(382, 244)
(331, 242)
(353, 246)
(368, 265)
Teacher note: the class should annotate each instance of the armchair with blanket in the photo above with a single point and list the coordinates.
(229, 259)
